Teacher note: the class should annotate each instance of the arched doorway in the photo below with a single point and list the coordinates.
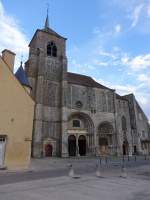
(105, 131)
(81, 124)
(82, 145)
(135, 150)
(103, 142)
(72, 145)
(125, 148)
(48, 150)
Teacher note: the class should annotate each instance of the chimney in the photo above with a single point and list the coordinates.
(9, 58)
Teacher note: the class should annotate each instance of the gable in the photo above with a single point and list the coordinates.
(9, 85)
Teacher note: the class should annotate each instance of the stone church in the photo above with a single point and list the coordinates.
(74, 114)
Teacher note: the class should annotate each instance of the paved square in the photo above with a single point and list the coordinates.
(86, 188)
(49, 180)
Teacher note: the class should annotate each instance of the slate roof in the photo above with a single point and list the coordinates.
(120, 97)
(47, 28)
(48, 31)
(21, 76)
(87, 81)
(52, 32)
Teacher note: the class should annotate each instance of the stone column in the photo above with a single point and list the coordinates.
(116, 131)
(64, 145)
(64, 113)
(38, 122)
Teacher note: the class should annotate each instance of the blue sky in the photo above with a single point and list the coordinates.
(108, 40)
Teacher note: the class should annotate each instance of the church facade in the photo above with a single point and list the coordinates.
(75, 115)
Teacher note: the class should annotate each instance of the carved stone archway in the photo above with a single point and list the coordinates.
(105, 138)
(80, 124)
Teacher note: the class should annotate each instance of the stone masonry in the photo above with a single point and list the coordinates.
(75, 115)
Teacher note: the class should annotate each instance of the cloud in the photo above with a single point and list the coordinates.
(114, 67)
(100, 63)
(136, 14)
(117, 28)
(144, 78)
(12, 37)
(120, 88)
(148, 10)
(139, 90)
(137, 63)
(81, 68)
(106, 54)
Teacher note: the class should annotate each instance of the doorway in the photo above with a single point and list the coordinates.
(72, 145)
(125, 148)
(103, 143)
(82, 145)
(135, 150)
(2, 150)
(48, 150)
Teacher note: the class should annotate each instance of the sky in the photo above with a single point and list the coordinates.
(107, 40)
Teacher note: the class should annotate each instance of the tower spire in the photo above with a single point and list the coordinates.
(47, 18)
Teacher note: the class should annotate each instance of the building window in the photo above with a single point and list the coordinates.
(124, 124)
(2, 139)
(76, 123)
(52, 49)
(143, 134)
(38, 52)
(103, 141)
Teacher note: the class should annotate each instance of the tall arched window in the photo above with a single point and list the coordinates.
(124, 124)
(52, 49)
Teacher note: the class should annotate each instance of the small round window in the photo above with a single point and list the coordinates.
(79, 104)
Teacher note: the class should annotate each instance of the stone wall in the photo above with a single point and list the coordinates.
(139, 123)
(45, 76)
(97, 104)
(57, 100)
(124, 133)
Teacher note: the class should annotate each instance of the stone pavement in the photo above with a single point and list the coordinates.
(62, 163)
(86, 188)
(112, 187)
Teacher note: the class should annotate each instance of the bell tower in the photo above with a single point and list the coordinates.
(46, 69)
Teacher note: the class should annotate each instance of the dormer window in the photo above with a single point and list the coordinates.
(52, 49)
